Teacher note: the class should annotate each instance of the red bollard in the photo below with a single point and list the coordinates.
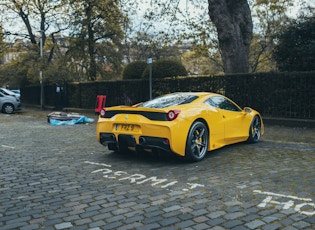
(100, 103)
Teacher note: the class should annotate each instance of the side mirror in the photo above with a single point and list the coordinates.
(247, 110)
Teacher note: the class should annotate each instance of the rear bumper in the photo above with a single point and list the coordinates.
(129, 141)
(147, 134)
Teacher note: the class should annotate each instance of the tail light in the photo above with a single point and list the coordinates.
(102, 113)
(172, 114)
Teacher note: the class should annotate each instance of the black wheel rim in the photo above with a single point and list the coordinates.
(199, 142)
(256, 129)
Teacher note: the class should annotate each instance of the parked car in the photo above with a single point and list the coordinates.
(17, 91)
(9, 92)
(9, 103)
(188, 124)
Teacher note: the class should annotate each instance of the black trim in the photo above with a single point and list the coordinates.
(125, 141)
(156, 116)
(154, 143)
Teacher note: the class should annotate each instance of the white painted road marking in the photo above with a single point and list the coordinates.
(7, 146)
(303, 208)
(93, 163)
(281, 195)
(140, 178)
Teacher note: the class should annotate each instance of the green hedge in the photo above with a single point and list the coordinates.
(286, 95)
(165, 68)
(134, 70)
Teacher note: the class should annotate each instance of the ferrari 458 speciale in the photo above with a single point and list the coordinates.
(188, 124)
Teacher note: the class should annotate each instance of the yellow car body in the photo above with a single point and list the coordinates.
(188, 124)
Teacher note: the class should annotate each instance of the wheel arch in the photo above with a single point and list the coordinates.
(262, 125)
(203, 121)
(177, 146)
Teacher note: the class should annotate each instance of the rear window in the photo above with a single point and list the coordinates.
(170, 100)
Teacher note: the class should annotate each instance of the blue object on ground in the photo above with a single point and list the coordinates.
(80, 120)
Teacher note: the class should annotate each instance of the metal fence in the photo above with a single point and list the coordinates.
(285, 95)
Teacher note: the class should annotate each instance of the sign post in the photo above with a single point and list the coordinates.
(42, 103)
(149, 61)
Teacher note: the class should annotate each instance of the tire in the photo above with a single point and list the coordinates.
(197, 142)
(8, 108)
(254, 130)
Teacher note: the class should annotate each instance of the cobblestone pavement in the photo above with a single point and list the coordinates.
(60, 177)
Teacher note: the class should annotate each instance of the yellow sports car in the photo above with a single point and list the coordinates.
(188, 124)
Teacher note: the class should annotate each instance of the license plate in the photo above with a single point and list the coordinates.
(126, 127)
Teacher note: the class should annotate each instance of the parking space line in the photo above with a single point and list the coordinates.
(7, 146)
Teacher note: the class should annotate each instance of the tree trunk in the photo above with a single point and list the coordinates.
(91, 43)
(233, 21)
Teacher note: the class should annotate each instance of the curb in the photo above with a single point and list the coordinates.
(289, 122)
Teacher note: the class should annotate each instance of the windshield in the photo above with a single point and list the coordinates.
(170, 100)
(4, 91)
(7, 92)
